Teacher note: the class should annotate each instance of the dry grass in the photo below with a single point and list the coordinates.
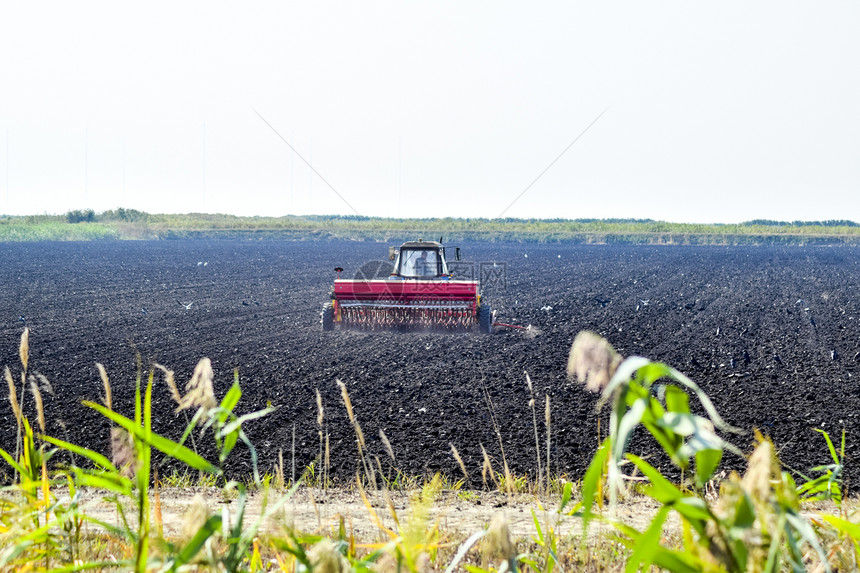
(460, 461)
(508, 481)
(548, 420)
(537, 438)
(422, 546)
(323, 438)
(369, 472)
(413, 539)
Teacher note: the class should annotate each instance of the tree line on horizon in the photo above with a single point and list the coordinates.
(134, 215)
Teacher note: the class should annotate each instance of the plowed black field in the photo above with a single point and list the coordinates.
(772, 335)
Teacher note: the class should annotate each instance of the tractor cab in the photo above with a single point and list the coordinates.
(420, 260)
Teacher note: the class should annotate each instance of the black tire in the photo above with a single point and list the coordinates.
(485, 319)
(328, 317)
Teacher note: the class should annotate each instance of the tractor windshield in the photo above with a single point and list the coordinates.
(420, 263)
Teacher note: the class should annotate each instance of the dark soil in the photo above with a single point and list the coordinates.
(771, 333)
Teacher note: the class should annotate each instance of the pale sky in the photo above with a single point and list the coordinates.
(714, 111)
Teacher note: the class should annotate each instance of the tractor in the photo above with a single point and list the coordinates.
(419, 293)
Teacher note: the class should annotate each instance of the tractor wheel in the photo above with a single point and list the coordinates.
(328, 317)
(485, 319)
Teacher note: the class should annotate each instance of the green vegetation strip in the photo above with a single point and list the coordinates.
(129, 224)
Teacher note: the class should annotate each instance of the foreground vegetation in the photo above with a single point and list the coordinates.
(132, 224)
(738, 523)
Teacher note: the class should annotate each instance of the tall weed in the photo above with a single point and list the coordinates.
(755, 523)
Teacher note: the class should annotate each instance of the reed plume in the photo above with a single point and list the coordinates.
(198, 390)
(320, 418)
(170, 380)
(347, 402)
(107, 400)
(320, 410)
(45, 384)
(13, 397)
(24, 348)
(368, 469)
(488, 468)
(592, 361)
(325, 557)
(388, 449)
(459, 461)
(762, 470)
(24, 355)
(497, 543)
(40, 409)
(122, 452)
(280, 479)
(194, 518)
(534, 423)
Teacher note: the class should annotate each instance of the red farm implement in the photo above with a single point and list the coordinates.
(419, 293)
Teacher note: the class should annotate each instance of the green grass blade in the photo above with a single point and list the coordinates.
(463, 549)
(622, 376)
(772, 564)
(674, 561)
(567, 492)
(228, 445)
(830, 446)
(249, 533)
(196, 543)
(591, 481)
(652, 372)
(89, 565)
(677, 400)
(235, 424)
(540, 539)
(648, 543)
(144, 455)
(11, 461)
(707, 462)
(111, 482)
(661, 489)
(138, 417)
(626, 425)
(681, 423)
(191, 425)
(705, 401)
(804, 529)
(842, 448)
(844, 526)
(253, 451)
(94, 457)
(815, 488)
(231, 398)
(158, 442)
